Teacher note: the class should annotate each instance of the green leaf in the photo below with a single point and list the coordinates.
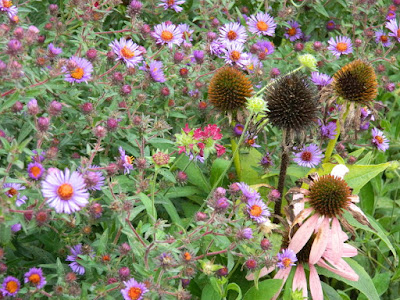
(233, 286)
(10, 102)
(209, 293)
(319, 7)
(167, 175)
(148, 205)
(195, 176)
(381, 282)
(364, 283)
(218, 167)
(266, 290)
(171, 210)
(184, 191)
(367, 197)
(330, 292)
(247, 162)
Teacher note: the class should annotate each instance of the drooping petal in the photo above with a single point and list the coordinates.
(304, 233)
(343, 269)
(300, 281)
(349, 251)
(315, 284)
(282, 274)
(320, 242)
(337, 245)
(302, 215)
(358, 214)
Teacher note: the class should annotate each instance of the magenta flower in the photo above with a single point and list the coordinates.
(65, 191)
(11, 286)
(234, 54)
(286, 259)
(134, 290)
(127, 51)
(35, 170)
(381, 37)
(172, 4)
(341, 45)
(78, 70)
(262, 24)
(257, 210)
(266, 47)
(293, 32)
(309, 156)
(394, 28)
(391, 15)
(74, 257)
(127, 161)
(320, 79)
(232, 33)
(12, 191)
(379, 140)
(35, 277)
(167, 35)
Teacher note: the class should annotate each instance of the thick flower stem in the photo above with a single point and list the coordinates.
(282, 175)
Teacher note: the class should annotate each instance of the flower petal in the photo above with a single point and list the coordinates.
(300, 281)
(337, 245)
(315, 284)
(282, 274)
(304, 233)
(320, 242)
(343, 269)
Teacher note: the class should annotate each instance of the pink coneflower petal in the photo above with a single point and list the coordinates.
(337, 248)
(302, 215)
(304, 233)
(315, 284)
(320, 242)
(282, 274)
(300, 281)
(349, 251)
(341, 269)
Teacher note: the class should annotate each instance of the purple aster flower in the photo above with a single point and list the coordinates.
(391, 15)
(186, 32)
(78, 70)
(262, 24)
(94, 180)
(257, 210)
(172, 4)
(309, 156)
(194, 93)
(340, 45)
(248, 192)
(65, 191)
(364, 126)
(198, 56)
(38, 157)
(6, 6)
(293, 32)
(35, 170)
(156, 71)
(238, 129)
(53, 51)
(133, 290)
(75, 266)
(234, 54)
(266, 161)
(232, 33)
(329, 130)
(286, 259)
(381, 37)
(330, 25)
(35, 277)
(16, 227)
(217, 48)
(11, 285)
(320, 79)
(252, 64)
(127, 161)
(245, 234)
(12, 191)
(167, 34)
(266, 47)
(379, 140)
(251, 141)
(127, 51)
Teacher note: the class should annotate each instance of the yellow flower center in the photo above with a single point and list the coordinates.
(286, 262)
(65, 191)
(127, 53)
(35, 170)
(7, 3)
(232, 35)
(341, 47)
(12, 286)
(77, 73)
(256, 211)
(262, 26)
(134, 293)
(166, 35)
(12, 192)
(129, 159)
(235, 55)
(34, 279)
(379, 139)
(291, 31)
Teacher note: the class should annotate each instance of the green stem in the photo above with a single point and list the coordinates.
(153, 192)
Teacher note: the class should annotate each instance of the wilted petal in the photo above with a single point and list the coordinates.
(341, 269)
(300, 281)
(337, 245)
(358, 214)
(304, 233)
(320, 242)
(302, 215)
(315, 284)
(354, 198)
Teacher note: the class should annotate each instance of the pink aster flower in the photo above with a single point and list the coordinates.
(11, 286)
(257, 210)
(74, 257)
(78, 70)
(35, 277)
(286, 259)
(250, 141)
(167, 34)
(340, 45)
(309, 156)
(320, 79)
(262, 24)
(394, 28)
(12, 190)
(186, 32)
(234, 54)
(127, 51)
(381, 37)
(65, 191)
(35, 170)
(232, 33)
(293, 32)
(172, 4)
(6, 6)
(379, 140)
(134, 290)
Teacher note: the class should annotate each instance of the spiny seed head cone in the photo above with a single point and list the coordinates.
(356, 82)
(329, 195)
(292, 102)
(229, 89)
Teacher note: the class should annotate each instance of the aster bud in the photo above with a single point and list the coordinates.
(178, 57)
(126, 89)
(17, 107)
(211, 36)
(19, 33)
(245, 234)
(146, 29)
(3, 268)
(110, 55)
(43, 124)
(41, 39)
(165, 91)
(251, 264)
(99, 131)
(124, 249)
(265, 244)
(317, 45)
(215, 22)
(222, 272)
(134, 8)
(185, 282)
(124, 273)
(91, 54)
(112, 124)
(198, 56)
(181, 177)
(275, 72)
(299, 47)
(87, 108)
(13, 47)
(53, 8)
(55, 108)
